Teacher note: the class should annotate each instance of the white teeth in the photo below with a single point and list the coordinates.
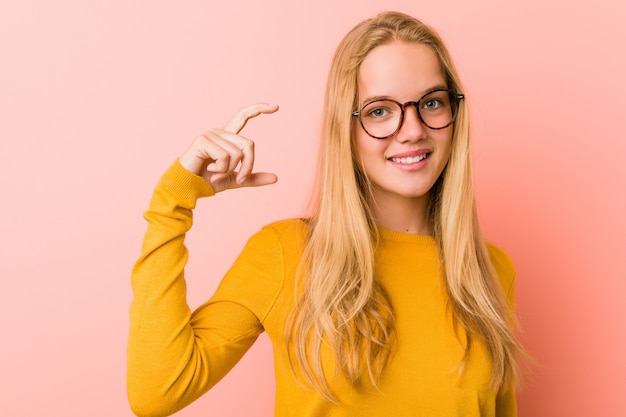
(409, 160)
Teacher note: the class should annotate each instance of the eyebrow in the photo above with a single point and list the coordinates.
(430, 90)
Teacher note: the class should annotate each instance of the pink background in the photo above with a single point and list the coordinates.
(98, 98)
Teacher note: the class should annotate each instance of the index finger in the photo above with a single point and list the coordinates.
(240, 118)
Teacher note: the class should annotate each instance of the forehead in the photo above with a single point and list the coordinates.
(399, 70)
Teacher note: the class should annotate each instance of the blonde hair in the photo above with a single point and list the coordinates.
(340, 304)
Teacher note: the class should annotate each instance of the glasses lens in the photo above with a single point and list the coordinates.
(381, 118)
(437, 109)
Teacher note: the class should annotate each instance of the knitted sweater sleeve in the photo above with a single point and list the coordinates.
(506, 402)
(175, 356)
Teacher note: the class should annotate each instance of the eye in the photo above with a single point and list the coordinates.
(377, 112)
(380, 110)
(432, 104)
(435, 101)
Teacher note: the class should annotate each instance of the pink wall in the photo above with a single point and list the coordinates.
(97, 98)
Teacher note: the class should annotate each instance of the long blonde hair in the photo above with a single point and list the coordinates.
(339, 302)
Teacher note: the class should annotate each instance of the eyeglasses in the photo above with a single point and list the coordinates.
(383, 118)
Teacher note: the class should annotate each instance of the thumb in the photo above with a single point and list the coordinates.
(259, 179)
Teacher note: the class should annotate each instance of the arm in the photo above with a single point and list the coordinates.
(506, 402)
(174, 356)
(161, 349)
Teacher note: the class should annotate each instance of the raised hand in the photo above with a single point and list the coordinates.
(217, 153)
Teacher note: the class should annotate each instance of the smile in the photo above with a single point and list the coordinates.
(409, 160)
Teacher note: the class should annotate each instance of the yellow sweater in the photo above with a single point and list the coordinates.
(175, 356)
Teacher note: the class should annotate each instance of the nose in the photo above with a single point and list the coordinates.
(412, 128)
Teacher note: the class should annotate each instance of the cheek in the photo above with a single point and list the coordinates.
(360, 146)
(368, 148)
(445, 145)
(369, 153)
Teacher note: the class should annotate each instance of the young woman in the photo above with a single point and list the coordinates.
(386, 301)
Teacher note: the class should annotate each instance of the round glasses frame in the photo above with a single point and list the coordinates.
(455, 100)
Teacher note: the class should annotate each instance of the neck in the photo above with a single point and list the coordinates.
(401, 214)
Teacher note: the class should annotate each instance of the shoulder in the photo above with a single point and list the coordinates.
(503, 265)
(288, 231)
(277, 241)
(257, 277)
(264, 271)
(289, 225)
